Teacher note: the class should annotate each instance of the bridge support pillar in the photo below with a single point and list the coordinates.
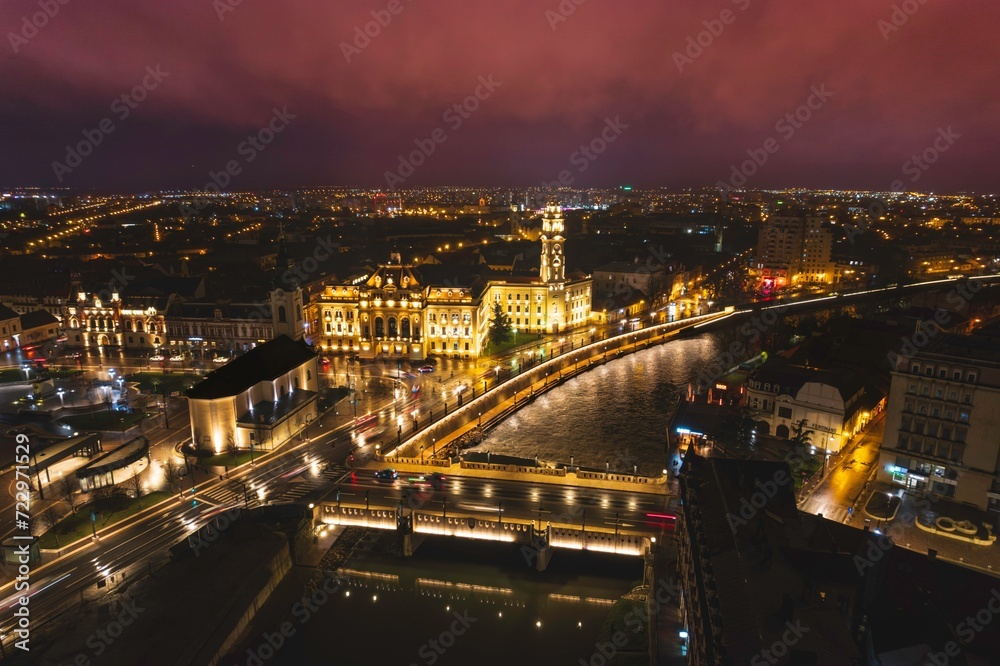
(543, 551)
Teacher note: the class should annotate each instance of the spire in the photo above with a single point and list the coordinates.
(283, 260)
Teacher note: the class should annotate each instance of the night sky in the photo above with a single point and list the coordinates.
(564, 79)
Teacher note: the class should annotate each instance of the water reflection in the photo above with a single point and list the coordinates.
(461, 602)
(616, 414)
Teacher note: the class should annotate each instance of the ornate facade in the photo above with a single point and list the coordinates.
(395, 313)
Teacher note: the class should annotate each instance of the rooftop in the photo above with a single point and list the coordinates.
(262, 363)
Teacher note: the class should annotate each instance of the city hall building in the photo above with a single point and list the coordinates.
(397, 313)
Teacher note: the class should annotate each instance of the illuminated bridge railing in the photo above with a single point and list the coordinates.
(509, 530)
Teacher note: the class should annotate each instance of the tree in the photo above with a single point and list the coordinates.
(801, 442)
(801, 437)
(738, 429)
(134, 485)
(500, 329)
(231, 447)
(66, 486)
(50, 518)
(172, 473)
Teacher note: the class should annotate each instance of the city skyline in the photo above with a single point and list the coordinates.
(663, 97)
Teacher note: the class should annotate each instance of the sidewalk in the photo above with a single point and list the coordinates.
(835, 459)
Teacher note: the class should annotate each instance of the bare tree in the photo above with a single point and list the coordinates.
(67, 486)
(50, 518)
(172, 473)
(231, 447)
(134, 486)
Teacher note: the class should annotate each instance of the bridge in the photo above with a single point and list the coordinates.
(540, 518)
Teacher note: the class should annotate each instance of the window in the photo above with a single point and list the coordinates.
(929, 371)
(957, 375)
(785, 412)
(972, 378)
(908, 406)
(903, 443)
(912, 388)
(936, 412)
(938, 393)
(950, 414)
(915, 368)
(953, 396)
(942, 373)
(510, 309)
(926, 390)
(967, 398)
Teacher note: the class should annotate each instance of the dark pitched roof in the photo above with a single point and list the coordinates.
(7, 313)
(262, 363)
(37, 318)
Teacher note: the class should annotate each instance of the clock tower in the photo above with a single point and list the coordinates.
(553, 266)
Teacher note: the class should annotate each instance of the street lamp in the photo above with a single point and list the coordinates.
(61, 393)
(26, 369)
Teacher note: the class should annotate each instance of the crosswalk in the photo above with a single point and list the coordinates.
(235, 494)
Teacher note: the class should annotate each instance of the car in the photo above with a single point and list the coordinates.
(156, 359)
(387, 474)
(436, 480)
(220, 359)
(427, 368)
(177, 357)
(325, 361)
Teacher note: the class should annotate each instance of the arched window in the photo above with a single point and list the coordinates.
(379, 327)
(296, 380)
(282, 317)
(139, 326)
(392, 327)
(405, 327)
(128, 326)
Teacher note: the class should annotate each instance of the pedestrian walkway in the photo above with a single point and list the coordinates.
(906, 534)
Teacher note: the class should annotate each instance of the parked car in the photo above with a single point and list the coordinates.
(177, 357)
(387, 474)
(427, 368)
(156, 359)
(220, 360)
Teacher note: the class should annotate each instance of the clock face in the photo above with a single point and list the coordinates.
(557, 248)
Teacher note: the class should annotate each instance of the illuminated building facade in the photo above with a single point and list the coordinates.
(396, 313)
